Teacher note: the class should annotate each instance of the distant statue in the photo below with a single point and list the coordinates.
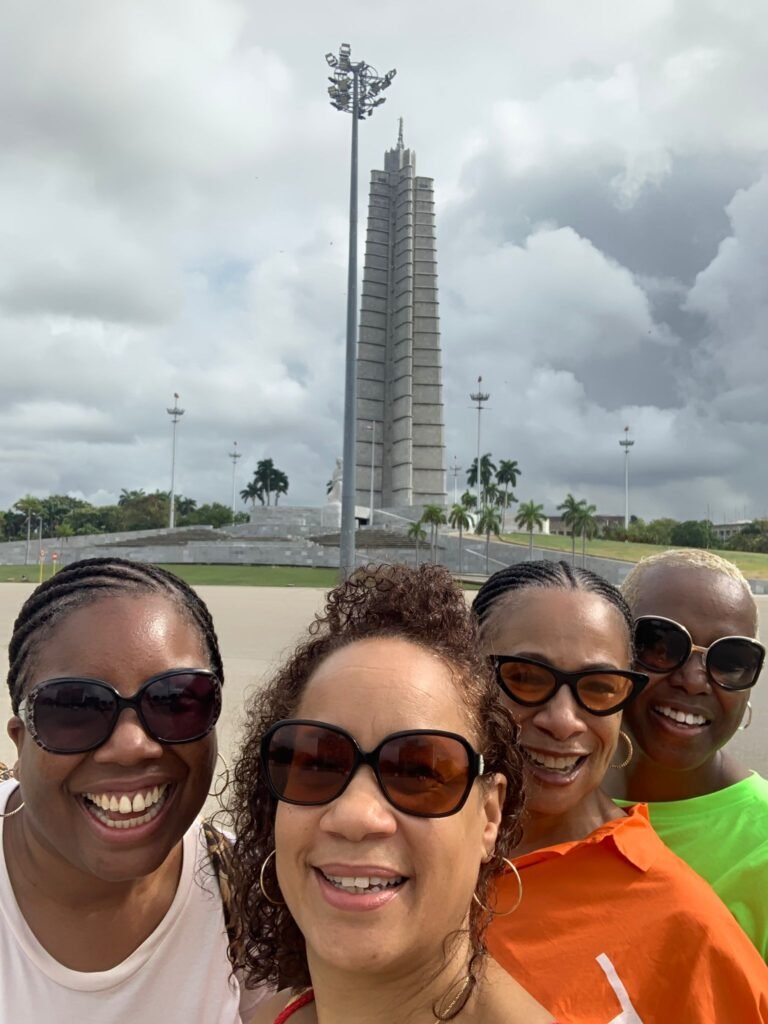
(334, 484)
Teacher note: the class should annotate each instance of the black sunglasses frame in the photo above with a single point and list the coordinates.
(26, 710)
(706, 651)
(475, 764)
(570, 679)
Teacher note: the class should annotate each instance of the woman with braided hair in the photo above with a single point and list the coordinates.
(630, 933)
(109, 907)
(376, 798)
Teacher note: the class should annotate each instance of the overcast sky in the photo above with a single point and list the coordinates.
(173, 203)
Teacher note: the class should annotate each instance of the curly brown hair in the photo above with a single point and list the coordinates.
(427, 608)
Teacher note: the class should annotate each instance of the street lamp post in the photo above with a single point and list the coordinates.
(175, 413)
(456, 470)
(626, 444)
(355, 89)
(234, 455)
(480, 397)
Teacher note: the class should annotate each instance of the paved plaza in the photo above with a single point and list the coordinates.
(257, 625)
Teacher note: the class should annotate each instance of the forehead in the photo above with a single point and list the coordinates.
(116, 637)
(703, 600)
(376, 687)
(568, 627)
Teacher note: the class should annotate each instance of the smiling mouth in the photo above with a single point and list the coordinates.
(359, 885)
(682, 718)
(120, 811)
(561, 765)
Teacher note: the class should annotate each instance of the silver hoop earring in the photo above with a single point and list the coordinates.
(630, 750)
(264, 893)
(7, 773)
(742, 728)
(218, 793)
(518, 901)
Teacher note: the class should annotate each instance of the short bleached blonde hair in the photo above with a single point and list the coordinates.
(687, 558)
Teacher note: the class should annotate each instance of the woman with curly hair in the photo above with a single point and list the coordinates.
(376, 799)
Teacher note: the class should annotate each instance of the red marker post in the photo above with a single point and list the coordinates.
(55, 561)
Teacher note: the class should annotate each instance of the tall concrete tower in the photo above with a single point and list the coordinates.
(399, 375)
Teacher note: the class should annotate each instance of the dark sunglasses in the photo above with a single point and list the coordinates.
(423, 772)
(663, 645)
(599, 691)
(72, 715)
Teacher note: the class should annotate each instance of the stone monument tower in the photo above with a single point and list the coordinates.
(399, 376)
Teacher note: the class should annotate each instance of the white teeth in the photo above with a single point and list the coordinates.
(145, 804)
(681, 717)
(362, 883)
(560, 764)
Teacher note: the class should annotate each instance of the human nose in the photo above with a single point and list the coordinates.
(692, 676)
(561, 716)
(129, 743)
(361, 811)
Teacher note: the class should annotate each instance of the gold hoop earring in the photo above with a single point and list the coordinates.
(742, 728)
(217, 794)
(264, 893)
(6, 774)
(518, 901)
(630, 750)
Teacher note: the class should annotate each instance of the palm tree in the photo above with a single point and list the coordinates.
(506, 477)
(488, 523)
(469, 500)
(487, 469)
(571, 509)
(264, 475)
(529, 516)
(251, 492)
(127, 496)
(433, 516)
(459, 520)
(417, 533)
(586, 524)
(279, 482)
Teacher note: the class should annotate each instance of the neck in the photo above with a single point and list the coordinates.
(647, 781)
(541, 830)
(409, 997)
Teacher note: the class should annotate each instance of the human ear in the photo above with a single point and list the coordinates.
(494, 791)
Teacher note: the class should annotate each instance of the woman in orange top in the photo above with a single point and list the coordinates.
(378, 792)
(613, 928)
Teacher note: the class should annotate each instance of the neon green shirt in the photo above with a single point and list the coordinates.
(724, 837)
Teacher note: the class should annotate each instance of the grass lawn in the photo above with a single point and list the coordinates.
(205, 575)
(754, 566)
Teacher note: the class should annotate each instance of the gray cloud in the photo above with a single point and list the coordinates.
(173, 218)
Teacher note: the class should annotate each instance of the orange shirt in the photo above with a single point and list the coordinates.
(616, 929)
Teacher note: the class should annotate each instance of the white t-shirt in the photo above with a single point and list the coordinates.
(179, 975)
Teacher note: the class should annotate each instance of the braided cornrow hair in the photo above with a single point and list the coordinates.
(90, 579)
(561, 575)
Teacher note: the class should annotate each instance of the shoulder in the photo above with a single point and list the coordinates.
(271, 1008)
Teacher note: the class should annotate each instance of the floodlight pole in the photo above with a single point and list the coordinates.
(480, 398)
(234, 455)
(456, 470)
(366, 84)
(175, 413)
(626, 444)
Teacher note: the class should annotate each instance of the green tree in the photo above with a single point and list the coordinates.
(279, 483)
(487, 470)
(127, 496)
(469, 500)
(586, 524)
(506, 477)
(488, 523)
(571, 508)
(265, 476)
(215, 514)
(251, 492)
(417, 532)
(692, 534)
(459, 519)
(530, 516)
(433, 516)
